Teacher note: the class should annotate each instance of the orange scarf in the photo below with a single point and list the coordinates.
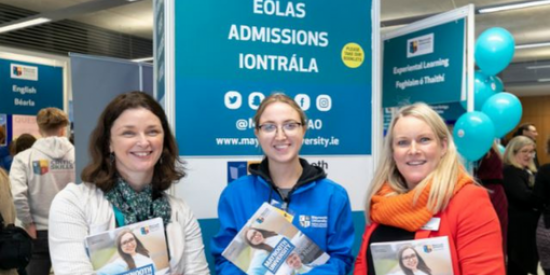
(399, 211)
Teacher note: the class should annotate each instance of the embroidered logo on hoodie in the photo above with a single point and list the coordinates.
(40, 167)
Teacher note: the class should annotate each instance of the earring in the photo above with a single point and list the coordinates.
(161, 159)
(112, 158)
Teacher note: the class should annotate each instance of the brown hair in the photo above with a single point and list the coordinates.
(22, 143)
(421, 263)
(2, 134)
(140, 248)
(102, 173)
(51, 119)
(265, 233)
(278, 97)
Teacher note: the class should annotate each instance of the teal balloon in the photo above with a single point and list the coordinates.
(494, 50)
(483, 90)
(505, 111)
(473, 135)
(501, 149)
(495, 83)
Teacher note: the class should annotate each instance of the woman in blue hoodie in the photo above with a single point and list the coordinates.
(319, 206)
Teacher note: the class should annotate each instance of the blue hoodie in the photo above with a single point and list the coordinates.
(321, 210)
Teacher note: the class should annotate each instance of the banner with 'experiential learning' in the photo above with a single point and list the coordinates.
(427, 65)
(232, 54)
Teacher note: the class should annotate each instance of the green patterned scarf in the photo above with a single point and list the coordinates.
(138, 207)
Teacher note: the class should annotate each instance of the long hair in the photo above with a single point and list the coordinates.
(421, 263)
(127, 257)
(265, 233)
(444, 176)
(102, 173)
(513, 148)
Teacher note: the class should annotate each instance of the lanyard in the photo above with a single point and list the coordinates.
(119, 217)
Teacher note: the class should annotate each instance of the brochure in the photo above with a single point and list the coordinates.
(419, 257)
(270, 244)
(135, 249)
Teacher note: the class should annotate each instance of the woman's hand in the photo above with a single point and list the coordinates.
(294, 261)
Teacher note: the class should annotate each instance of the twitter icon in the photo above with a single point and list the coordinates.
(233, 100)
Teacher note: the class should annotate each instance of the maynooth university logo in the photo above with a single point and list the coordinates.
(18, 71)
(305, 221)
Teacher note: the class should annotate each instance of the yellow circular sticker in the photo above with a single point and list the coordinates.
(353, 55)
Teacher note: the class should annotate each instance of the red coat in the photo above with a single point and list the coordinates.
(474, 234)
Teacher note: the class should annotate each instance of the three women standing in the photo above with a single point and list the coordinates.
(289, 182)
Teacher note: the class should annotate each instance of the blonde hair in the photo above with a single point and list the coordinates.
(443, 177)
(514, 146)
(51, 119)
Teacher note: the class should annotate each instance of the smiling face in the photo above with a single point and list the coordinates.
(409, 259)
(283, 144)
(254, 236)
(137, 140)
(416, 149)
(524, 155)
(128, 243)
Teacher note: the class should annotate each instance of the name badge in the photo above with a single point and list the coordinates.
(432, 224)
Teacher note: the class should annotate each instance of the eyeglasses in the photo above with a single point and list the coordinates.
(526, 151)
(409, 257)
(128, 241)
(288, 127)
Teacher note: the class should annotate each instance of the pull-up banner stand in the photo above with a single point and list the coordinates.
(428, 61)
(217, 60)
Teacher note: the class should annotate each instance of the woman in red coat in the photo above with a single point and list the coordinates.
(419, 180)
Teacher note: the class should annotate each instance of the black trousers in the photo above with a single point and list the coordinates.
(40, 263)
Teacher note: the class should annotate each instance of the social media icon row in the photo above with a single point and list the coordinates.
(233, 100)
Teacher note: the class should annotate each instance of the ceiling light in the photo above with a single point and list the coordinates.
(532, 45)
(23, 24)
(544, 80)
(144, 59)
(538, 67)
(513, 6)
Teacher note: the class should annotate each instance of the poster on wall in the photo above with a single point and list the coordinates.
(426, 65)
(25, 87)
(23, 124)
(230, 55)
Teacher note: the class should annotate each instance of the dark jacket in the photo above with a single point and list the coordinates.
(523, 215)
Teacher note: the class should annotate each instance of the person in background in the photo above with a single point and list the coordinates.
(421, 179)
(290, 183)
(134, 160)
(7, 209)
(22, 143)
(529, 130)
(542, 190)
(518, 180)
(37, 175)
(489, 173)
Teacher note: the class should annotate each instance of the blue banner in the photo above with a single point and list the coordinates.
(426, 65)
(232, 54)
(25, 88)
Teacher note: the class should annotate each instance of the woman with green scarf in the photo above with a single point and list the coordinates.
(133, 161)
